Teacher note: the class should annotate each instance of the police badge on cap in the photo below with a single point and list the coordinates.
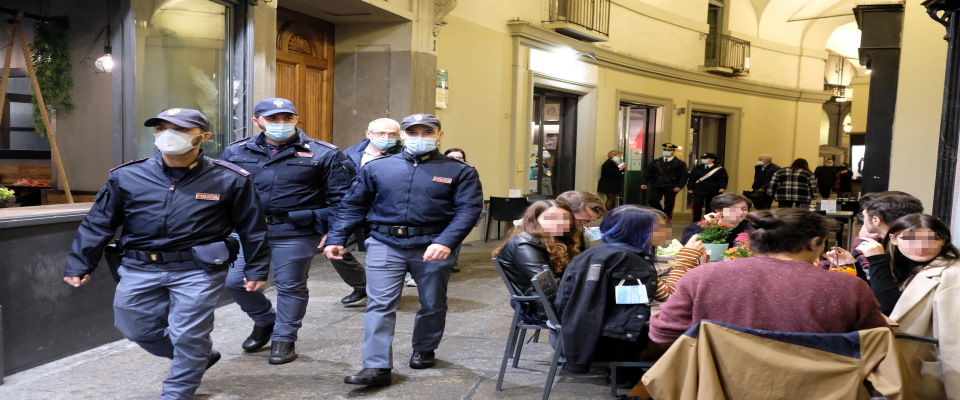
(669, 146)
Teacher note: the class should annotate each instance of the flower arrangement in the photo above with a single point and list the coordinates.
(742, 249)
(714, 232)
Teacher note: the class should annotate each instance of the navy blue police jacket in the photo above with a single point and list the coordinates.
(159, 213)
(427, 191)
(305, 174)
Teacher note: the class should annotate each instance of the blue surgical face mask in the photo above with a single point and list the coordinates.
(667, 153)
(419, 145)
(616, 160)
(383, 143)
(280, 132)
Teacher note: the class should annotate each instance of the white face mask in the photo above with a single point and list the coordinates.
(704, 161)
(174, 142)
(667, 153)
(616, 160)
(759, 162)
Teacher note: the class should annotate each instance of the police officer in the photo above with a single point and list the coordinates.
(420, 204)
(381, 140)
(665, 178)
(300, 181)
(707, 181)
(176, 210)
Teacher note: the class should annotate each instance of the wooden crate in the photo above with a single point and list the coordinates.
(50, 196)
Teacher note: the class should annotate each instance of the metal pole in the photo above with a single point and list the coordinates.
(950, 118)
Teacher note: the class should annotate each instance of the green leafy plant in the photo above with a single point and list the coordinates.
(7, 197)
(50, 53)
(714, 232)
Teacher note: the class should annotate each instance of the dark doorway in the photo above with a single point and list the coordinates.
(553, 142)
(709, 136)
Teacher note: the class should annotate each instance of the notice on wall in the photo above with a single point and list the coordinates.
(443, 87)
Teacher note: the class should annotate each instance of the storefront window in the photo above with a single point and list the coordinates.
(182, 60)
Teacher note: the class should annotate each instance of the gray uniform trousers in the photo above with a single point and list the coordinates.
(170, 314)
(386, 268)
(290, 261)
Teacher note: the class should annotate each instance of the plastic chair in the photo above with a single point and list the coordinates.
(518, 328)
(504, 209)
(546, 287)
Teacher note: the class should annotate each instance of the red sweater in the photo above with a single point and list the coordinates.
(767, 293)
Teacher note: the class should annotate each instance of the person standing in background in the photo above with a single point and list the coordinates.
(762, 173)
(707, 180)
(826, 176)
(665, 177)
(611, 178)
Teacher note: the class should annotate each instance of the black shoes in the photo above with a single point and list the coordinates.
(257, 339)
(357, 295)
(213, 358)
(282, 353)
(422, 359)
(456, 266)
(370, 377)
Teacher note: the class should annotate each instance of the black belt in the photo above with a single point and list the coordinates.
(277, 219)
(159, 256)
(405, 231)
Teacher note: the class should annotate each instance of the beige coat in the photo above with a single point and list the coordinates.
(930, 306)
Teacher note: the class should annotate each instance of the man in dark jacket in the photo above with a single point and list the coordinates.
(382, 139)
(707, 180)
(420, 205)
(664, 178)
(826, 176)
(762, 175)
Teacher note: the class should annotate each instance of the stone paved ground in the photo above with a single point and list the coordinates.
(329, 348)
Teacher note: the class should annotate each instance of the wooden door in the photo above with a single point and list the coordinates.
(305, 70)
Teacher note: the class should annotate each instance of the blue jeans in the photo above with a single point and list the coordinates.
(170, 314)
(386, 268)
(290, 260)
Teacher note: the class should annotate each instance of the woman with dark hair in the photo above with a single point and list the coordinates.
(611, 178)
(794, 186)
(919, 279)
(730, 208)
(456, 154)
(547, 238)
(780, 289)
(599, 323)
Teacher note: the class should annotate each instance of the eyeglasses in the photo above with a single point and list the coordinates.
(385, 134)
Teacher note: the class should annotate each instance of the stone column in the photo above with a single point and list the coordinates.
(881, 25)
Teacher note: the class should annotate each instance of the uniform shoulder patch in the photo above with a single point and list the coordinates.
(129, 163)
(239, 140)
(231, 167)
(330, 145)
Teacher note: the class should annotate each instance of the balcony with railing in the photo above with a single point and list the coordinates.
(726, 55)
(587, 20)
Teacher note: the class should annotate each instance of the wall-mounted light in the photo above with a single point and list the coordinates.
(847, 128)
(681, 111)
(104, 62)
(869, 71)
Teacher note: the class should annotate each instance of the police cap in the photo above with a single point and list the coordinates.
(274, 105)
(183, 117)
(709, 155)
(420, 119)
(669, 146)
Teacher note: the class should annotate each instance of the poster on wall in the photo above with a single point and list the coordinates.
(443, 87)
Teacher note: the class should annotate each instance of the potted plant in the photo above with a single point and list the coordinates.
(7, 198)
(714, 237)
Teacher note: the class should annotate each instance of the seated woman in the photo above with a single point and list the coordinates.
(547, 238)
(780, 289)
(598, 321)
(730, 208)
(924, 264)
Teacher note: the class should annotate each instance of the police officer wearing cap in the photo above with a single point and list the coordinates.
(665, 177)
(707, 180)
(420, 205)
(300, 181)
(382, 139)
(177, 210)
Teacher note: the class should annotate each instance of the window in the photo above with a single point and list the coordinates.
(183, 58)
